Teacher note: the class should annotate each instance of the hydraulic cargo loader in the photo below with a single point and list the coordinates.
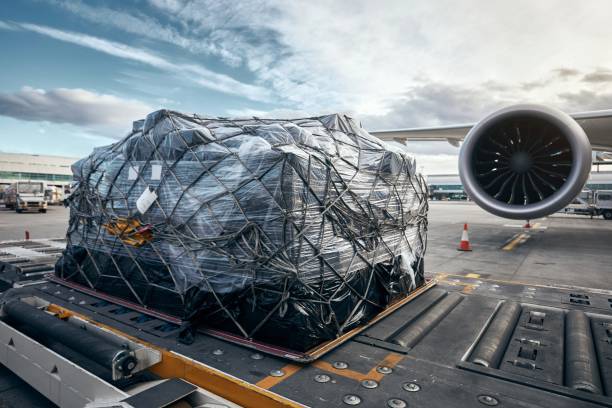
(460, 341)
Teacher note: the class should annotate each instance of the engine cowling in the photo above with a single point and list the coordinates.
(525, 161)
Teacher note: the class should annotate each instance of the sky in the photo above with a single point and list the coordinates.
(76, 74)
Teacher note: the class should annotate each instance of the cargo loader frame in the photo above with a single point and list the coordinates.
(468, 341)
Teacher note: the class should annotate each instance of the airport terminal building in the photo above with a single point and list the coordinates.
(449, 187)
(53, 170)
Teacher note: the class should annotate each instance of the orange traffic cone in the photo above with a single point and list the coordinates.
(464, 245)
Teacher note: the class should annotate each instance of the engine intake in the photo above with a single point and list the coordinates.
(525, 161)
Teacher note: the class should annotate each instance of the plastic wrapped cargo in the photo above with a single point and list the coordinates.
(290, 232)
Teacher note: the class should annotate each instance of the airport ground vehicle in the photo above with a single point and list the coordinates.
(462, 341)
(54, 195)
(603, 203)
(26, 195)
(592, 203)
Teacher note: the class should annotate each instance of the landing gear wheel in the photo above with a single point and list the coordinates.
(18, 210)
(43, 210)
(607, 214)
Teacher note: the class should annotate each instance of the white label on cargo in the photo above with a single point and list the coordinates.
(156, 171)
(133, 173)
(145, 200)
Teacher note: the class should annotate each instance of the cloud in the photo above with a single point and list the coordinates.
(149, 27)
(586, 100)
(566, 72)
(318, 56)
(437, 104)
(7, 26)
(321, 55)
(194, 72)
(78, 107)
(598, 76)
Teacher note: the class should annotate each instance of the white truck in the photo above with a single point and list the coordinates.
(603, 203)
(26, 195)
(592, 203)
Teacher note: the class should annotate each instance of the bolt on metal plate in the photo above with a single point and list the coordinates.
(369, 384)
(322, 378)
(351, 399)
(257, 356)
(277, 373)
(411, 387)
(218, 352)
(340, 365)
(488, 400)
(384, 369)
(396, 403)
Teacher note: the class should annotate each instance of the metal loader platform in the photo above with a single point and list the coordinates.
(466, 342)
(27, 261)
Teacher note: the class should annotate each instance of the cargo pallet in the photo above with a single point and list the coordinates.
(468, 341)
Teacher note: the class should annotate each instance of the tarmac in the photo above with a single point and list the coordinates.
(559, 250)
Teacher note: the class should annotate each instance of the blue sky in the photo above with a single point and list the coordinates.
(76, 74)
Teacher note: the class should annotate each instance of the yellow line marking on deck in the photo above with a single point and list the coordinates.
(391, 360)
(271, 381)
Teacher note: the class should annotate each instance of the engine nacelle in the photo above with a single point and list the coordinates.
(525, 161)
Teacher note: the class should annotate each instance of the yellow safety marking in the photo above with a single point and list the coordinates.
(472, 275)
(468, 288)
(271, 381)
(174, 365)
(390, 361)
(442, 276)
(518, 239)
(353, 375)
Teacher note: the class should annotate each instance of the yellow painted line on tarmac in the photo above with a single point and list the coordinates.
(520, 238)
(517, 240)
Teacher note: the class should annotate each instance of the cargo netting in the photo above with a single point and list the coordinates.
(289, 232)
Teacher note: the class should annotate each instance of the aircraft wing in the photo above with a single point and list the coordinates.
(453, 134)
(596, 124)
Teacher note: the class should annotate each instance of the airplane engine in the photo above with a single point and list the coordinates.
(525, 161)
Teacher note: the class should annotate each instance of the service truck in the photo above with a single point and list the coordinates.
(54, 195)
(26, 195)
(592, 203)
(603, 203)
